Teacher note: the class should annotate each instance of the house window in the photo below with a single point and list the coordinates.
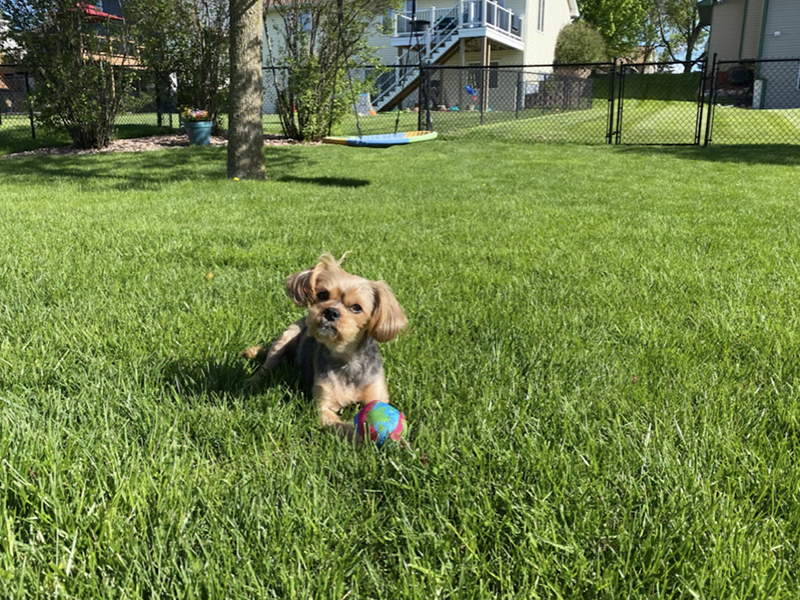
(540, 20)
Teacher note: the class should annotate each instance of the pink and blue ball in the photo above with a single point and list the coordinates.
(381, 422)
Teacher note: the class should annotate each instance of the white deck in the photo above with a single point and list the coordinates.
(471, 18)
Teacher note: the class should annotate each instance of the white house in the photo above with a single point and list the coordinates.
(483, 33)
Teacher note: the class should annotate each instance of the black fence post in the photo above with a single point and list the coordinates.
(611, 84)
(30, 106)
(428, 121)
(428, 101)
(520, 94)
(483, 96)
(620, 104)
(701, 98)
(712, 97)
(421, 99)
(159, 112)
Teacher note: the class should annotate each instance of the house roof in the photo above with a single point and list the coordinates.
(704, 10)
(94, 14)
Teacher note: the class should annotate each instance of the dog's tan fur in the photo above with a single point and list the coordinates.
(339, 354)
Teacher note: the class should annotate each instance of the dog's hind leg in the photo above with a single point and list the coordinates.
(284, 346)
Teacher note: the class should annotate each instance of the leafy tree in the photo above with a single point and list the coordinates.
(622, 23)
(579, 42)
(246, 135)
(187, 38)
(637, 28)
(320, 42)
(79, 64)
(681, 33)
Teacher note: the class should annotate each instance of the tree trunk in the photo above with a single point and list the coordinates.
(246, 133)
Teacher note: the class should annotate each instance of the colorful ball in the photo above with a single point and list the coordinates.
(381, 422)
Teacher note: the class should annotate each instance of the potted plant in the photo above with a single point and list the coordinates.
(197, 124)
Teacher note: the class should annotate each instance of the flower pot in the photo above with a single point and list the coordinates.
(199, 132)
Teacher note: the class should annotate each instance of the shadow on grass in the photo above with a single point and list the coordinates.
(326, 181)
(224, 379)
(147, 170)
(770, 154)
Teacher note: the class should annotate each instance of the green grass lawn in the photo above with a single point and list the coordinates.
(601, 375)
(644, 122)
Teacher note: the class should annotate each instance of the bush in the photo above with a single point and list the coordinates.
(322, 46)
(580, 43)
(681, 87)
(77, 66)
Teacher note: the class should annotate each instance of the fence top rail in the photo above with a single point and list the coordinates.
(542, 66)
(756, 60)
(662, 63)
(471, 67)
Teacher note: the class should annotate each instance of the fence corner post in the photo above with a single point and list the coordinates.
(712, 96)
(611, 85)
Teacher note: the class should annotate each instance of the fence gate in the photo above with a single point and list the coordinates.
(641, 115)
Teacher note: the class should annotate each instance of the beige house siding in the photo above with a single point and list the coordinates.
(540, 45)
(781, 79)
(383, 49)
(783, 18)
(726, 29)
(752, 29)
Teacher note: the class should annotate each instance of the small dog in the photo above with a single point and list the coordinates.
(335, 344)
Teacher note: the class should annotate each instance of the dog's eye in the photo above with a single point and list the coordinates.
(355, 308)
(323, 295)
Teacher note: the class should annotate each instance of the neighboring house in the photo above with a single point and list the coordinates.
(465, 33)
(746, 30)
(637, 56)
(11, 90)
(101, 12)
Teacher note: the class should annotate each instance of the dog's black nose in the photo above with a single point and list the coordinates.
(330, 314)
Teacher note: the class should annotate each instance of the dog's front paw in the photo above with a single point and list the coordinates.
(253, 353)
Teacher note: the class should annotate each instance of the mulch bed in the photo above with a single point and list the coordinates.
(145, 144)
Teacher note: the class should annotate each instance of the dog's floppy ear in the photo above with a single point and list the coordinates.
(300, 286)
(388, 318)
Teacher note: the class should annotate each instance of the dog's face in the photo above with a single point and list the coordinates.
(344, 308)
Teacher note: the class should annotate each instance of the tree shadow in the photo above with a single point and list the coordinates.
(343, 182)
(144, 170)
(770, 154)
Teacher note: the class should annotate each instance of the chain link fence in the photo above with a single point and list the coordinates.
(724, 102)
(16, 118)
(149, 109)
(528, 103)
(754, 102)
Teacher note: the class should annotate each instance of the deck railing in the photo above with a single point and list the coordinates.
(470, 14)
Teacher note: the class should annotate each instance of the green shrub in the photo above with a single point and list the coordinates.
(579, 42)
(680, 87)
